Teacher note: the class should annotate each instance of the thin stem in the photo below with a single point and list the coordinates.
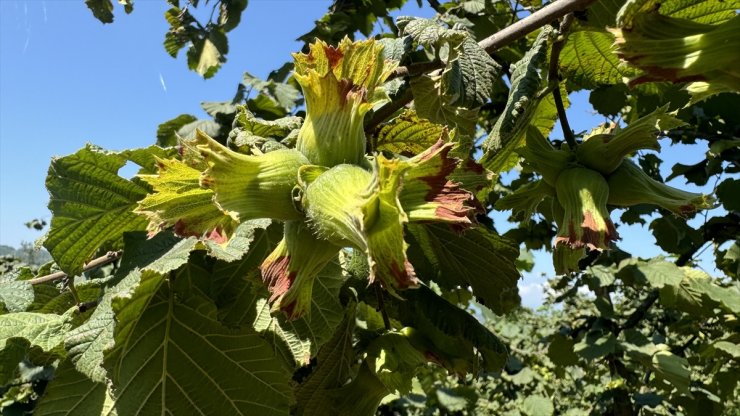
(554, 79)
(641, 311)
(417, 68)
(108, 258)
(213, 11)
(381, 307)
(70, 281)
(436, 6)
(514, 12)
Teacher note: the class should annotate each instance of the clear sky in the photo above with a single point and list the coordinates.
(67, 79)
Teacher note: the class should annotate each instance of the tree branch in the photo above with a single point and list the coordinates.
(110, 257)
(521, 28)
(641, 311)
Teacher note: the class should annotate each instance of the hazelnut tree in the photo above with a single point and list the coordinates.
(326, 245)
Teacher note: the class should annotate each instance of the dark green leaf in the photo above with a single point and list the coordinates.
(561, 352)
(360, 397)
(232, 286)
(304, 336)
(701, 11)
(15, 295)
(596, 344)
(470, 75)
(43, 330)
(609, 99)
(526, 81)
(394, 361)
(206, 54)
(101, 9)
(673, 235)
(170, 358)
(479, 258)
(673, 368)
(441, 321)
(602, 14)
(91, 206)
(656, 272)
(431, 104)
(334, 365)
(407, 134)
(72, 393)
(538, 406)
(239, 243)
(648, 399)
(162, 253)
(587, 59)
(87, 343)
(697, 294)
(11, 354)
(395, 48)
(230, 13)
(428, 32)
(728, 193)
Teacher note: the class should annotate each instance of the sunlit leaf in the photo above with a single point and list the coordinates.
(91, 206)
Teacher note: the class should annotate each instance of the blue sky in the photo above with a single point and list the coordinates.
(66, 79)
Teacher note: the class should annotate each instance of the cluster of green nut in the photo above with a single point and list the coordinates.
(674, 49)
(327, 191)
(586, 181)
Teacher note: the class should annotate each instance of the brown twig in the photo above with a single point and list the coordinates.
(110, 257)
(521, 28)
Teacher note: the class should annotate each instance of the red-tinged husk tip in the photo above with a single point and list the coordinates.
(290, 270)
(276, 276)
(177, 201)
(674, 49)
(629, 185)
(583, 194)
(340, 85)
(428, 193)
